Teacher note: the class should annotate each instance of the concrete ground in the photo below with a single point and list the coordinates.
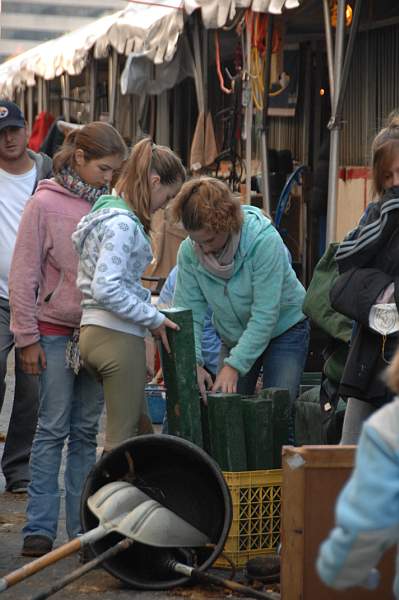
(97, 583)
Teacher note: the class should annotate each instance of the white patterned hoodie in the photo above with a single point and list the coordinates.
(114, 251)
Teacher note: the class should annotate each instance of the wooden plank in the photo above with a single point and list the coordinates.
(226, 431)
(180, 375)
(258, 426)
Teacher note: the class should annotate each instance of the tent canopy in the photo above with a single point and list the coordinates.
(142, 27)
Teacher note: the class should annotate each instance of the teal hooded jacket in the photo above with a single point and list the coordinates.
(261, 300)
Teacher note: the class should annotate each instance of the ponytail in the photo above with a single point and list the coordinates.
(134, 182)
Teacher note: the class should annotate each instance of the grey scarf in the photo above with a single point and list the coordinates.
(221, 264)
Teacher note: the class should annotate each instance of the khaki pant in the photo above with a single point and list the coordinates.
(119, 360)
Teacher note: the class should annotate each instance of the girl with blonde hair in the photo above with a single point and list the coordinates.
(114, 247)
(45, 310)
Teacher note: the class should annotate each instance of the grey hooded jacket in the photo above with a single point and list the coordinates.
(44, 166)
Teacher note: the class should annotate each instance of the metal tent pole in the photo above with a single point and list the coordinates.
(248, 115)
(334, 137)
(340, 85)
(265, 119)
(329, 47)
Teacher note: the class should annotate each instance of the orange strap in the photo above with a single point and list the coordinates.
(219, 67)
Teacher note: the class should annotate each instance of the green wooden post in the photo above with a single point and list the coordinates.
(180, 376)
(258, 426)
(282, 420)
(226, 431)
(206, 440)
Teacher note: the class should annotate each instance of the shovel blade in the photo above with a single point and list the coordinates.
(114, 501)
(152, 524)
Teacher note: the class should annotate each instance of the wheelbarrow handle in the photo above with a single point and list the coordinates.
(51, 557)
(207, 578)
(61, 583)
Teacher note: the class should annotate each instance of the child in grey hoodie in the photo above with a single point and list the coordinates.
(114, 248)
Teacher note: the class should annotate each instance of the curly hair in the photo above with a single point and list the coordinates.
(207, 203)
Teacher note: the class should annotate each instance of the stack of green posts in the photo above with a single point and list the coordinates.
(180, 375)
(240, 433)
(247, 433)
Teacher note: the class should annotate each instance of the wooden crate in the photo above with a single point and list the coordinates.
(312, 479)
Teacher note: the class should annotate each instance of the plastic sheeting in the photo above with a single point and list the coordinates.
(151, 30)
(215, 13)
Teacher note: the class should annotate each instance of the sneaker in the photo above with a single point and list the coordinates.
(18, 487)
(36, 545)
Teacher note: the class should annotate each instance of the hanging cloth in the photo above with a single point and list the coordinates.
(203, 146)
(40, 129)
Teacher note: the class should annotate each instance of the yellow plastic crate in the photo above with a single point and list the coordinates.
(255, 528)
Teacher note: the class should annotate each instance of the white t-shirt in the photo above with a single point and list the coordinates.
(15, 191)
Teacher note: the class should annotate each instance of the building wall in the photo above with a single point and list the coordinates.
(25, 24)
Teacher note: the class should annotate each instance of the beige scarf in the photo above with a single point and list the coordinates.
(222, 263)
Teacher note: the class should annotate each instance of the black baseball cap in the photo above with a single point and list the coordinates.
(10, 115)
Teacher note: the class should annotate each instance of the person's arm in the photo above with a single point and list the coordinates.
(188, 295)
(25, 274)
(24, 281)
(165, 298)
(267, 283)
(367, 511)
(108, 286)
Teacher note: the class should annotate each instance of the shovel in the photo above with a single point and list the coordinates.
(122, 508)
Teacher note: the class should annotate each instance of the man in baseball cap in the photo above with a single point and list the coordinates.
(10, 115)
(20, 171)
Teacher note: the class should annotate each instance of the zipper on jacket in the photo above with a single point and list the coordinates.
(226, 293)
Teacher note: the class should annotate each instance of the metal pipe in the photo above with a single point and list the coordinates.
(265, 119)
(248, 115)
(348, 59)
(334, 138)
(330, 47)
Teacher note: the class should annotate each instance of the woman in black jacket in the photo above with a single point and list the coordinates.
(368, 288)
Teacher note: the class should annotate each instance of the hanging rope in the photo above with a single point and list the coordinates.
(219, 67)
(256, 68)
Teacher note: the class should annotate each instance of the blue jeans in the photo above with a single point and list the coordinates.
(282, 362)
(22, 425)
(282, 365)
(69, 410)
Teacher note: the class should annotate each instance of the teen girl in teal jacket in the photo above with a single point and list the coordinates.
(235, 261)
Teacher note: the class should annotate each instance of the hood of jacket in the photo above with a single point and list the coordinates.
(106, 207)
(44, 165)
(53, 187)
